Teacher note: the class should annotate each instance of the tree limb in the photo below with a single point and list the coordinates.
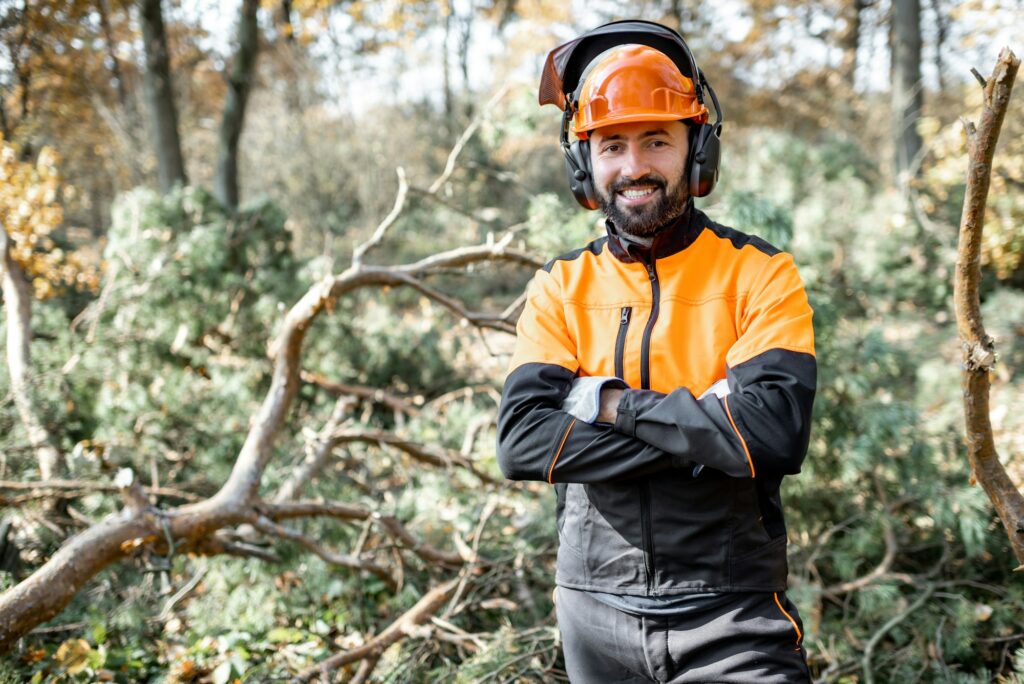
(74, 489)
(443, 458)
(392, 401)
(978, 348)
(268, 526)
(391, 525)
(397, 630)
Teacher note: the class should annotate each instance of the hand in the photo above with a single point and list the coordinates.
(610, 399)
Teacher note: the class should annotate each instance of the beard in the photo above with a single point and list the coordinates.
(648, 219)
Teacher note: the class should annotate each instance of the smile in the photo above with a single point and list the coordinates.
(638, 195)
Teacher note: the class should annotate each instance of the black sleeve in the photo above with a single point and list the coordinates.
(539, 441)
(762, 426)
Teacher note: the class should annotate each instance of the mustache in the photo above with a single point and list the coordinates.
(627, 183)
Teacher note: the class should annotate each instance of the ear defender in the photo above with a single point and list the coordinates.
(705, 154)
(581, 178)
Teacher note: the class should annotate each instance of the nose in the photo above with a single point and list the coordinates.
(635, 163)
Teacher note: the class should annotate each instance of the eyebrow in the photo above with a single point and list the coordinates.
(647, 134)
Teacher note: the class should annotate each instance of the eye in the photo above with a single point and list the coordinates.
(611, 148)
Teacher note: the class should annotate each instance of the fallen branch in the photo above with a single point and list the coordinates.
(978, 348)
(375, 394)
(391, 525)
(75, 488)
(317, 455)
(869, 649)
(444, 458)
(268, 526)
(399, 629)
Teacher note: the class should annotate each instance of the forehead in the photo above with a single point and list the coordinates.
(639, 129)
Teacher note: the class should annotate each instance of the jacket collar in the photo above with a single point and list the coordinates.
(674, 237)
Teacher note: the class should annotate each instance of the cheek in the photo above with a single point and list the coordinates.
(604, 174)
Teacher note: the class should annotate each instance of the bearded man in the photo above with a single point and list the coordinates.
(662, 381)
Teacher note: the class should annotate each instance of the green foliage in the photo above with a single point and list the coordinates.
(169, 363)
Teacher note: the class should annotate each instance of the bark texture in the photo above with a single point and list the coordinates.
(243, 71)
(978, 349)
(160, 93)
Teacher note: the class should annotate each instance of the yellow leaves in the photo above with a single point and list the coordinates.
(29, 212)
(73, 655)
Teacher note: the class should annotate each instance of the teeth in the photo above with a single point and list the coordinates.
(634, 194)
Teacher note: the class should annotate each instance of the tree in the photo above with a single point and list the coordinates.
(243, 72)
(907, 88)
(160, 93)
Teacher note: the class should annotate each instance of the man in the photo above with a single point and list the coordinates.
(662, 380)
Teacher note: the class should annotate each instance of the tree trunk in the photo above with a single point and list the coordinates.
(849, 40)
(225, 184)
(449, 105)
(159, 91)
(18, 311)
(115, 64)
(907, 96)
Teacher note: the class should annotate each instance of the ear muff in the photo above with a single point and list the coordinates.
(705, 154)
(581, 177)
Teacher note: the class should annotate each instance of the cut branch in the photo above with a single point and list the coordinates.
(978, 348)
(399, 629)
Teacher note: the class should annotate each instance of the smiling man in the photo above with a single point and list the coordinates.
(662, 381)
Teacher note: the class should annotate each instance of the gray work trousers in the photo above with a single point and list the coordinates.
(752, 640)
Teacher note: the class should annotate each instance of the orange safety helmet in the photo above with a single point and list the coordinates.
(634, 83)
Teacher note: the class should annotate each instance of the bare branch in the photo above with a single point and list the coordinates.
(75, 488)
(438, 457)
(396, 631)
(449, 166)
(390, 524)
(268, 526)
(978, 348)
(360, 251)
(482, 320)
(375, 394)
(877, 636)
(318, 454)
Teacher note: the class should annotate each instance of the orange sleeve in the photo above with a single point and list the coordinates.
(776, 315)
(542, 335)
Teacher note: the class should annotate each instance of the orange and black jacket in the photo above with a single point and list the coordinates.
(681, 494)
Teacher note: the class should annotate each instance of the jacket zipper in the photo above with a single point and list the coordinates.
(620, 342)
(645, 383)
(645, 349)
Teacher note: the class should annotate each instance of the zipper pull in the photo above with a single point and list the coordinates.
(624, 319)
(650, 272)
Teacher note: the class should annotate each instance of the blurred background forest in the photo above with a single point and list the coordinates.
(178, 175)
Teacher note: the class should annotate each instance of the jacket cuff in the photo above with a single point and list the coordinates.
(625, 418)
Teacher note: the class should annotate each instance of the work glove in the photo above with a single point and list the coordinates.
(584, 400)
